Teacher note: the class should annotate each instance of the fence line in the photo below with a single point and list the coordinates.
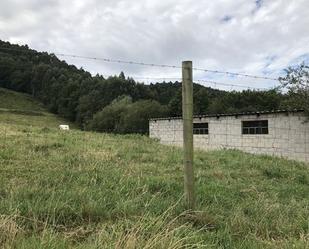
(148, 78)
(201, 81)
(111, 60)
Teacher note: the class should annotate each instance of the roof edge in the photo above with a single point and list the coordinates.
(233, 114)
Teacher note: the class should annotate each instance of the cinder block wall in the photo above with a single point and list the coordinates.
(288, 134)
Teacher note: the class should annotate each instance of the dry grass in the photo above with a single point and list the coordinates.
(9, 230)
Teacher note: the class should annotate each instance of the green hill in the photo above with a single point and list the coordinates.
(19, 109)
(92, 190)
(14, 100)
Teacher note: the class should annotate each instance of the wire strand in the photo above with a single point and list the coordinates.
(235, 74)
(108, 60)
(232, 85)
(198, 80)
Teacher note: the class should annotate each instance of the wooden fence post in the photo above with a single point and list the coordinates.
(187, 116)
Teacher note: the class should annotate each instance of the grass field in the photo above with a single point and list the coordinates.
(88, 190)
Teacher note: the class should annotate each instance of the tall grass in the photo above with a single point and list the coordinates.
(89, 190)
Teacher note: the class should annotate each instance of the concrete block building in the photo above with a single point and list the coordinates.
(279, 133)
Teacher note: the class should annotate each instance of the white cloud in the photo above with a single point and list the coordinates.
(165, 32)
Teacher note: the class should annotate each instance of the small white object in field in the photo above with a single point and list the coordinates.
(64, 127)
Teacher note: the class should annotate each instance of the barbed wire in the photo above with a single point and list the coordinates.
(109, 60)
(231, 85)
(202, 81)
(178, 79)
(235, 74)
(147, 77)
(169, 66)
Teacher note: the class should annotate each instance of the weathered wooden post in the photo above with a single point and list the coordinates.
(187, 116)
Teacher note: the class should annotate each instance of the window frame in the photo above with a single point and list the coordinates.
(202, 130)
(258, 127)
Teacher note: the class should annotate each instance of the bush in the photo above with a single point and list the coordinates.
(136, 118)
(123, 116)
(108, 118)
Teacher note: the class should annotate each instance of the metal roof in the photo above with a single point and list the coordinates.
(234, 114)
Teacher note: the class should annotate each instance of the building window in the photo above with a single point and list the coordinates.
(255, 127)
(200, 128)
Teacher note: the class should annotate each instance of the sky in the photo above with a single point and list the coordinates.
(259, 37)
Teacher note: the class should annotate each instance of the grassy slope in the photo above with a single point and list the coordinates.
(22, 110)
(13, 100)
(88, 190)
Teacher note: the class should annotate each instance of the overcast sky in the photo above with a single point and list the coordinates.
(256, 37)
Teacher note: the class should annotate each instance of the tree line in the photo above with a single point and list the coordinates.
(118, 103)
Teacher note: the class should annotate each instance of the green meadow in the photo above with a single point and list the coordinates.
(81, 189)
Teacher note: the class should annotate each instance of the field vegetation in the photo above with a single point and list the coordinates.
(93, 190)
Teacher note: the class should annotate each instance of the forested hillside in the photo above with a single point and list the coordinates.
(115, 104)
